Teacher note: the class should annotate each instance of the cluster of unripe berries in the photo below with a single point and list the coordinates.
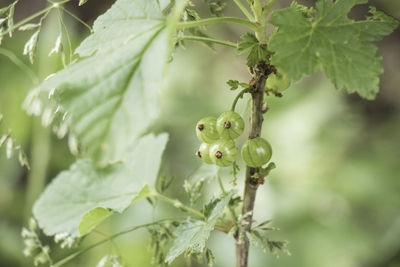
(218, 147)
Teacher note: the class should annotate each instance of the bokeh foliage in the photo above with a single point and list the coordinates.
(334, 195)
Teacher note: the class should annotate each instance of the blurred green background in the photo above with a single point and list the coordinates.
(336, 192)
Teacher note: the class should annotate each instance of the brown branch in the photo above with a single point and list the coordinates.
(261, 72)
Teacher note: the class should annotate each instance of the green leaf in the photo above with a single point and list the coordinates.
(83, 191)
(340, 46)
(209, 207)
(249, 41)
(256, 52)
(234, 84)
(191, 236)
(92, 218)
(111, 95)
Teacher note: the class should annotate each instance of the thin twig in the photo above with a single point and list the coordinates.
(179, 205)
(202, 22)
(210, 40)
(76, 254)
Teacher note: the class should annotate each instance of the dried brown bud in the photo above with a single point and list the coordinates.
(227, 125)
(218, 154)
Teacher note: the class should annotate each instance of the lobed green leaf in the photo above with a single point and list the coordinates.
(340, 46)
(191, 236)
(250, 45)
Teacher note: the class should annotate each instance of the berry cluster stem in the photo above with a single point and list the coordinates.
(240, 95)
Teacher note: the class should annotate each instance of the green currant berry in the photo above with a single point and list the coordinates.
(230, 125)
(278, 82)
(256, 152)
(203, 153)
(206, 130)
(223, 152)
